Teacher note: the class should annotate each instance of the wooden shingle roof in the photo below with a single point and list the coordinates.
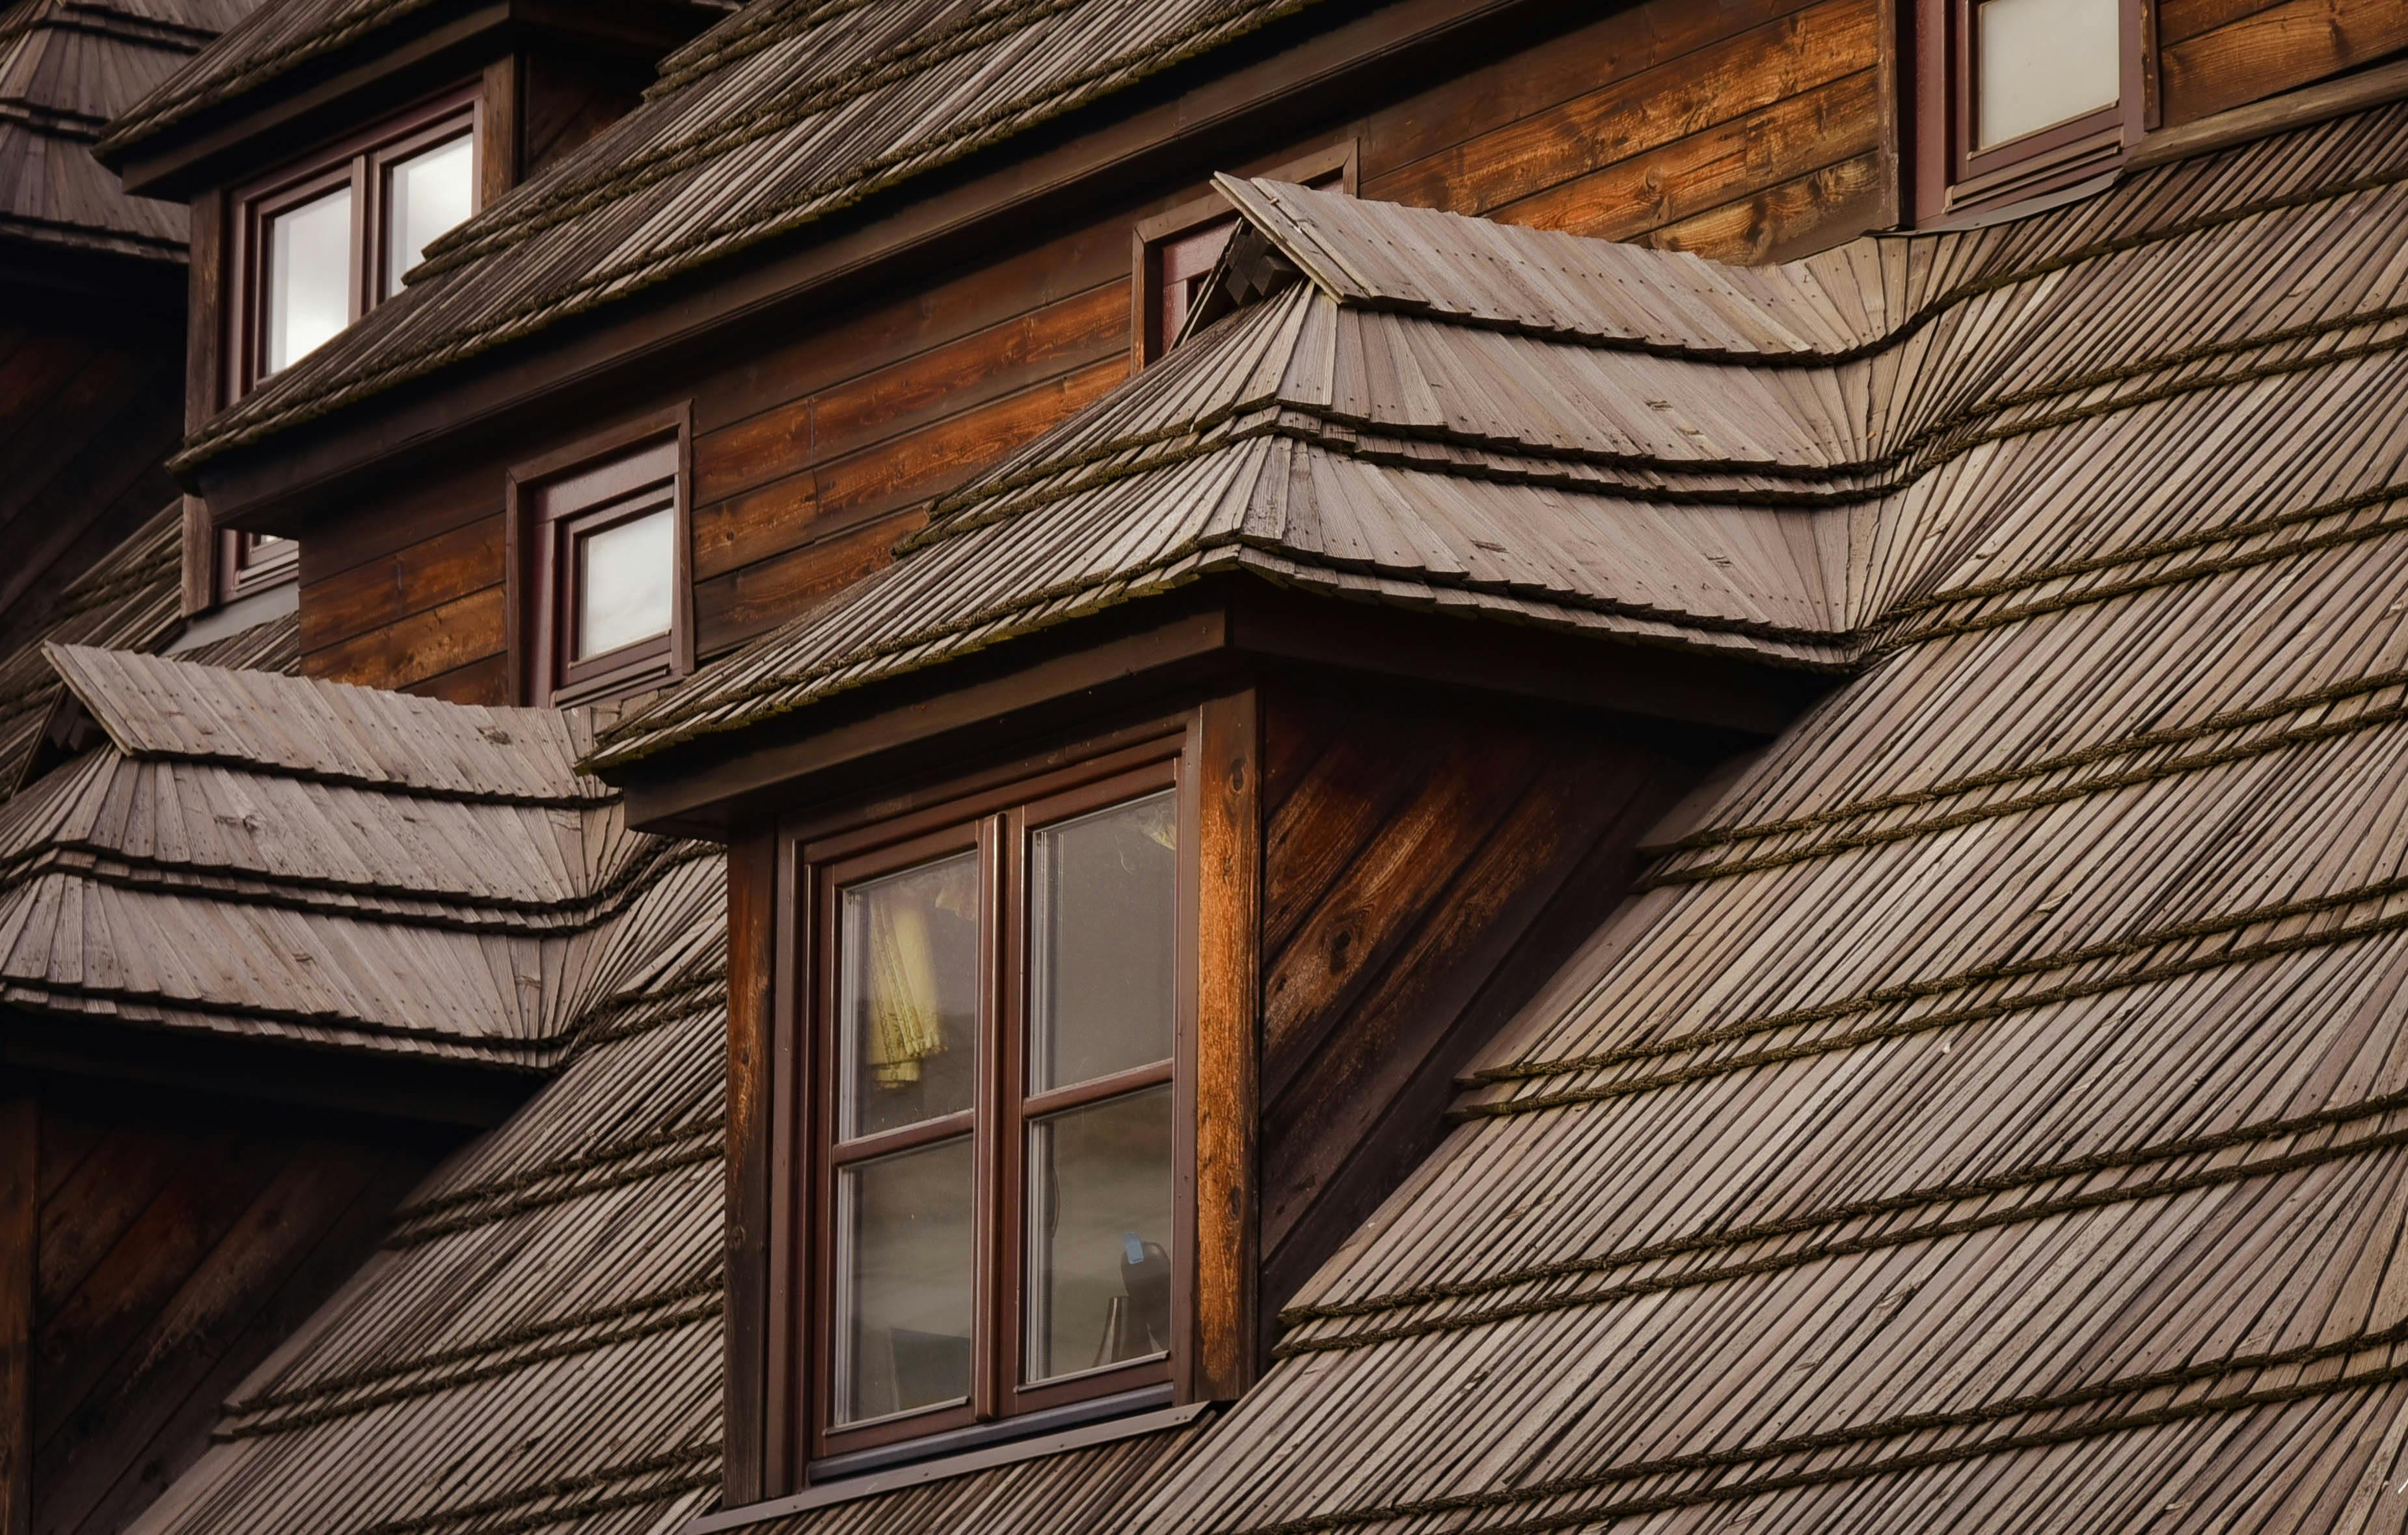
(1992, 1113)
(67, 67)
(271, 855)
(782, 114)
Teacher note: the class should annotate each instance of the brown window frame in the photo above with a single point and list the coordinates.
(243, 569)
(360, 162)
(631, 470)
(1204, 757)
(1953, 179)
(1189, 231)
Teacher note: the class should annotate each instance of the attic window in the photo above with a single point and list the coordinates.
(254, 560)
(1177, 251)
(2018, 98)
(327, 239)
(597, 564)
(990, 997)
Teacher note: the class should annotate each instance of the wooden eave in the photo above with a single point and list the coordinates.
(1216, 633)
(284, 481)
(389, 67)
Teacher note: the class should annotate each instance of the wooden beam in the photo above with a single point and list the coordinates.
(18, 1224)
(752, 941)
(1221, 1356)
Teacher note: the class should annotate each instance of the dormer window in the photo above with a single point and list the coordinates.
(326, 239)
(1176, 251)
(2018, 98)
(994, 1017)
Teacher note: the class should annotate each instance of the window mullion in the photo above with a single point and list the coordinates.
(999, 1060)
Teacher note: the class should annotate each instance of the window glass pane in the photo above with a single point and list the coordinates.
(1099, 1234)
(424, 196)
(903, 1276)
(308, 277)
(908, 997)
(1103, 893)
(623, 577)
(2041, 62)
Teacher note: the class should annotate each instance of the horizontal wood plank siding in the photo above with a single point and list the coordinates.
(2263, 50)
(1750, 129)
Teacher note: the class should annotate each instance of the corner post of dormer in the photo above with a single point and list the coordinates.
(1225, 1046)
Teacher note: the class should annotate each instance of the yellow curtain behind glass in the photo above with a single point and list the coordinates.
(906, 1022)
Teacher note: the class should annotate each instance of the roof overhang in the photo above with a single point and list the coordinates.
(292, 478)
(384, 68)
(1219, 633)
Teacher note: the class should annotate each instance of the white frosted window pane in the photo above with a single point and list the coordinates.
(622, 583)
(308, 277)
(425, 195)
(2044, 61)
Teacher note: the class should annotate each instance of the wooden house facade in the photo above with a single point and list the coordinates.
(1257, 766)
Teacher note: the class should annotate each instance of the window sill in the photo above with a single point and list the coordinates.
(895, 1479)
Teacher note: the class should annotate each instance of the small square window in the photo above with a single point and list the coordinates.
(2018, 98)
(1177, 251)
(596, 579)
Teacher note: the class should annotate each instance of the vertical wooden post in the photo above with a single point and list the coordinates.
(1228, 1029)
(752, 934)
(205, 371)
(17, 1225)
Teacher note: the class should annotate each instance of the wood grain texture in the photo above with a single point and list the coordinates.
(175, 1253)
(751, 908)
(1425, 866)
(1221, 1359)
(2274, 49)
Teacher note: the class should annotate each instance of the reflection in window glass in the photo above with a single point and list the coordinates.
(908, 997)
(904, 1234)
(1099, 1234)
(623, 578)
(2041, 62)
(1103, 891)
(308, 277)
(424, 196)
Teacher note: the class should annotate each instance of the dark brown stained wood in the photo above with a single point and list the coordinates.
(1718, 168)
(20, 1178)
(734, 607)
(484, 682)
(2178, 19)
(922, 465)
(1630, 118)
(565, 99)
(1426, 862)
(176, 1253)
(88, 414)
(755, 1303)
(1219, 1362)
(382, 592)
(2274, 49)
(1790, 219)
(426, 644)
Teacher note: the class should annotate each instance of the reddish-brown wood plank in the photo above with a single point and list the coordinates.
(2275, 50)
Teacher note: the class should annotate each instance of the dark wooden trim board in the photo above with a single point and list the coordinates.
(19, 1189)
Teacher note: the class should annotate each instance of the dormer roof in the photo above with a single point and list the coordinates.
(66, 69)
(780, 116)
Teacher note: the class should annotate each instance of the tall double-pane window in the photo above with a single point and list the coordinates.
(996, 1165)
(326, 239)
